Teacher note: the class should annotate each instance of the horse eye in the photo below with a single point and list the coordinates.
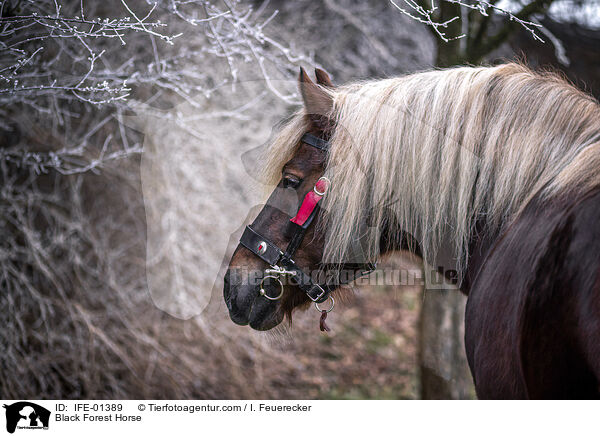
(291, 182)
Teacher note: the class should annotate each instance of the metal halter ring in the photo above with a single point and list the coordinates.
(319, 193)
(328, 310)
(264, 293)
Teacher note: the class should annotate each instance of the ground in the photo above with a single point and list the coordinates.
(371, 351)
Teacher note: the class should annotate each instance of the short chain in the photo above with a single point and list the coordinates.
(276, 269)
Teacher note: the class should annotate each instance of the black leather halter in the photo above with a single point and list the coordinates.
(282, 262)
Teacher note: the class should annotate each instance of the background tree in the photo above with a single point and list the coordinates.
(467, 31)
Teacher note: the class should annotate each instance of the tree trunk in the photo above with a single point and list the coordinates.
(443, 364)
(448, 53)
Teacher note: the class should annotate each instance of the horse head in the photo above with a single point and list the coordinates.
(278, 264)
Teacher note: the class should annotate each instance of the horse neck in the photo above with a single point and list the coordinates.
(481, 244)
(482, 241)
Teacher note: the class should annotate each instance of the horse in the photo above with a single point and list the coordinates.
(488, 171)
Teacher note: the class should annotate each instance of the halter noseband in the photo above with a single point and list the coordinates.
(282, 262)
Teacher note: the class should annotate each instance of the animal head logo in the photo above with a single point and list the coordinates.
(26, 415)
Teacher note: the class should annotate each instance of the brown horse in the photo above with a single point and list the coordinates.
(457, 165)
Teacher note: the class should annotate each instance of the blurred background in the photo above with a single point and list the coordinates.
(128, 136)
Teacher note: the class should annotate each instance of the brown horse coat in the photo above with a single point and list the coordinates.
(533, 312)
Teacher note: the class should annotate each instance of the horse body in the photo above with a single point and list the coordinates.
(533, 312)
(502, 162)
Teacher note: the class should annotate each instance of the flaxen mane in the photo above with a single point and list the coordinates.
(438, 151)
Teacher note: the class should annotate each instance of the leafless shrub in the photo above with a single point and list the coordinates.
(60, 59)
(426, 12)
(77, 318)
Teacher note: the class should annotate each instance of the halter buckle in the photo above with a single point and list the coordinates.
(324, 191)
(318, 296)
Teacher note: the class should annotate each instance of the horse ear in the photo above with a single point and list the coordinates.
(323, 78)
(316, 101)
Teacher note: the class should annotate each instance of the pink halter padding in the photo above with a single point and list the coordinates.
(310, 202)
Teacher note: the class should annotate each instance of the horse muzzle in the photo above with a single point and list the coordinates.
(245, 303)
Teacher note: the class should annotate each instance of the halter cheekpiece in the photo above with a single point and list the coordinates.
(282, 262)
